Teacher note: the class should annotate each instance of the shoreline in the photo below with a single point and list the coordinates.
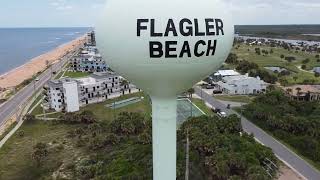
(37, 64)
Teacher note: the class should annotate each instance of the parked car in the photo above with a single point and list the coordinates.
(216, 92)
(222, 114)
(215, 110)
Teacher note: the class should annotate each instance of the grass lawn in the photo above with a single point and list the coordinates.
(203, 106)
(8, 130)
(235, 98)
(103, 113)
(76, 74)
(275, 60)
(37, 110)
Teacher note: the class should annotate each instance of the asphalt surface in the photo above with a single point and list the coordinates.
(21, 97)
(282, 152)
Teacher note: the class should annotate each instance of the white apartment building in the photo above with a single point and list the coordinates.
(241, 85)
(70, 94)
(88, 60)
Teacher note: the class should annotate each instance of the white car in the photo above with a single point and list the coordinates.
(222, 114)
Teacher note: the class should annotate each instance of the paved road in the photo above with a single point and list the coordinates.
(12, 105)
(283, 153)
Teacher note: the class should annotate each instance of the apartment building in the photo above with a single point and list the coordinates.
(70, 94)
(88, 60)
(91, 38)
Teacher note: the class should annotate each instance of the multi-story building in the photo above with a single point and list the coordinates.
(91, 38)
(70, 94)
(88, 60)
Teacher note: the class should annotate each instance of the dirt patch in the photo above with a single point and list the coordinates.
(288, 174)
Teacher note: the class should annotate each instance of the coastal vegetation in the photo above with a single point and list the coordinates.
(295, 123)
(81, 146)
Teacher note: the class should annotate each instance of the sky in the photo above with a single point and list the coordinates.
(82, 13)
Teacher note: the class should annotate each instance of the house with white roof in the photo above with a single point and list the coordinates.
(241, 85)
(316, 70)
(219, 75)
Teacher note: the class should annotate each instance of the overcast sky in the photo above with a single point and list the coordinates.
(70, 13)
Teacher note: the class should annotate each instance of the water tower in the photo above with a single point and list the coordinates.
(164, 47)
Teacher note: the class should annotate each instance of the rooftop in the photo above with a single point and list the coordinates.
(226, 73)
(304, 89)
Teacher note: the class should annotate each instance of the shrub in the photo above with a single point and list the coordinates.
(306, 61)
(40, 152)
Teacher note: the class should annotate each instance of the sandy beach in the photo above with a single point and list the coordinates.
(38, 64)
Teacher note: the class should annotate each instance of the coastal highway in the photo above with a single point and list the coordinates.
(282, 152)
(21, 97)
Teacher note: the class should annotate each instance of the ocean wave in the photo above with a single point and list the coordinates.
(69, 34)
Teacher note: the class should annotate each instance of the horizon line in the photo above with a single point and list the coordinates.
(29, 27)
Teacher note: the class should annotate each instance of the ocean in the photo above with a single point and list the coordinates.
(19, 45)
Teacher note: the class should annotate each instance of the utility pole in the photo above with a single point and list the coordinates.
(187, 157)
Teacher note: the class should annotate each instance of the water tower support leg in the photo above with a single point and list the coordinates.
(164, 114)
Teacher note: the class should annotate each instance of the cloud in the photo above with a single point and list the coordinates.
(274, 12)
(61, 5)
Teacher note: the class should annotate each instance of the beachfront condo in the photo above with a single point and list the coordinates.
(69, 94)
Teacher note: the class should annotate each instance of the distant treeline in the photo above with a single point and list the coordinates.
(280, 31)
